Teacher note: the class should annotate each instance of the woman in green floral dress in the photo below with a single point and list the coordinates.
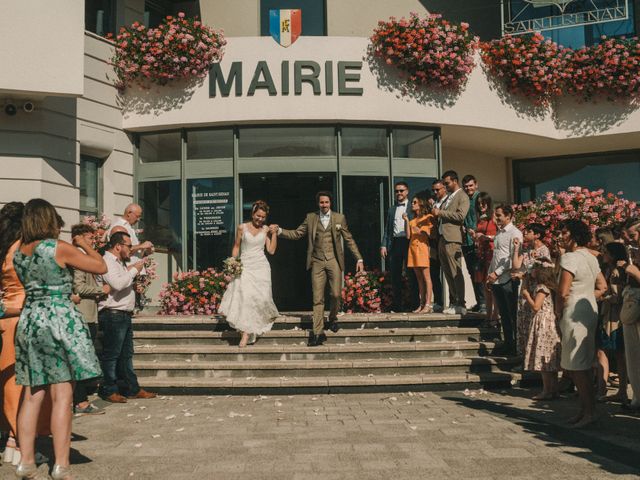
(53, 345)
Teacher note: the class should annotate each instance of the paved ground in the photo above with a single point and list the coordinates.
(471, 435)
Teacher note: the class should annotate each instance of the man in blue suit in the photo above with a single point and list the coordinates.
(395, 246)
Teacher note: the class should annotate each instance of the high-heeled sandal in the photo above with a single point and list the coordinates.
(27, 470)
(61, 473)
(419, 309)
(427, 309)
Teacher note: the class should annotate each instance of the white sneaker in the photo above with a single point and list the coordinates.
(460, 310)
(451, 310)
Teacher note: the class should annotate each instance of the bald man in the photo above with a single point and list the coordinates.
(132, 213)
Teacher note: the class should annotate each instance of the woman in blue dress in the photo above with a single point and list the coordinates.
(53, 344)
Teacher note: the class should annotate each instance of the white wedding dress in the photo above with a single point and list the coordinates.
(248, 301)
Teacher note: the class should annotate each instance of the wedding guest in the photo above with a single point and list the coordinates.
(86, 287)
(132, 214)
(13, 299)
(542, 345)
(630, 313)
(503, 286)
(483, 236)
(610, 339)
(435, 270)
(114, 318)
(470, 186)
(450, 217)
(395, 245)
(53, 345)
(418, 231)
(581, 284)
(524, 257)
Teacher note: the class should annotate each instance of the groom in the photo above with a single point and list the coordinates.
(325, 259)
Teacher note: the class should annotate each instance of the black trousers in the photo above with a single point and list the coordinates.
(398, 259)
(81, 391)
(436, 279)
(471, 259)
(506, 297)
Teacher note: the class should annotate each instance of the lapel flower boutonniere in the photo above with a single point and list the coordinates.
(338, 227)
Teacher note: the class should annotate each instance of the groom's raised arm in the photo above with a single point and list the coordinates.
(296, 234)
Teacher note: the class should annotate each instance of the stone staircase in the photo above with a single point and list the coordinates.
(370, 352)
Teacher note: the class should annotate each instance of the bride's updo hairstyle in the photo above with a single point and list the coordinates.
(260, 205)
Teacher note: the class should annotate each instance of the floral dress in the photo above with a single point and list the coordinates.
(53, 344)
(525, 314)
(542, 345)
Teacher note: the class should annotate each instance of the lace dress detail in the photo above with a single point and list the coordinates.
(248, 300)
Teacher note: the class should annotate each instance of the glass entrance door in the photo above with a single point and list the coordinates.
(290, 197)
(364, 202)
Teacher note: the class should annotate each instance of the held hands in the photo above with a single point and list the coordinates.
(273, 229)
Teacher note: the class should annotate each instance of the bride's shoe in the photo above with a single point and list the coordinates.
(27, 470)
(61, 473)
(252, 339)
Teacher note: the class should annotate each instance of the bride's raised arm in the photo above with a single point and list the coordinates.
(235, 251)
(271, 242)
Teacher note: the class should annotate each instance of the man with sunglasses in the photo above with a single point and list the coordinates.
(395, 245)
(114, 318)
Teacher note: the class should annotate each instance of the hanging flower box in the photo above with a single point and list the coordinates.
(429, 51)
(177, 48)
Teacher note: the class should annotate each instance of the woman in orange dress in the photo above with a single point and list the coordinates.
(418, 230)
(14, 295)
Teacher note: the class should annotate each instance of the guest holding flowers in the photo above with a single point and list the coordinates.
(483, 235)
(542, 345)
(581, 284)
(418, 231)
(523, 260)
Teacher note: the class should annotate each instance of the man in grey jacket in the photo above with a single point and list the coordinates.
(451, 217)
(89, 292)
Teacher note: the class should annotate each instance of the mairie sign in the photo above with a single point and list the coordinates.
(333, 77)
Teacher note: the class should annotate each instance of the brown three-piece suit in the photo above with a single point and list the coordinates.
(325, 259)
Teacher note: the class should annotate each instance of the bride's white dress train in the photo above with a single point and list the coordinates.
(248, 301)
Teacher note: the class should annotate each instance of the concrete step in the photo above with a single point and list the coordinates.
(304, 321)
(321, 368)
(340, 351)
(295, 337)
(328, 384)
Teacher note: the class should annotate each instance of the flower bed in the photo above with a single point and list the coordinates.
(366, 292)
(595, 208)
(177, 48)
(193, 293)
(430, 51)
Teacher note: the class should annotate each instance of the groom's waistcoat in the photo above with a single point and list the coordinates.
(323, 244)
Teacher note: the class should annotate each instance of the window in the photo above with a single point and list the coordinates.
(314, 21)
(99, 16)
(90, 195)
(160, 147)
(160, 202)
(287, 142)
(156, 10)
(413, 144)
(364, 142)
(209, 144)
(612, 171)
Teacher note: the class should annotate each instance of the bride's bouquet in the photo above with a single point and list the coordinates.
(232, 267)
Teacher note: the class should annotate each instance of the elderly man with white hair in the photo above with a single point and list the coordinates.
(132, 214)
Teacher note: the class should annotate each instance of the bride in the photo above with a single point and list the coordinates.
(248, 302)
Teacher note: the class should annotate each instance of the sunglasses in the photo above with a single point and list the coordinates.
(402, 190)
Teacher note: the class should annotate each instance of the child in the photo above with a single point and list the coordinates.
(542, 345)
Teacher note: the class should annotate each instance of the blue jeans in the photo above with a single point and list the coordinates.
(117, 353)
